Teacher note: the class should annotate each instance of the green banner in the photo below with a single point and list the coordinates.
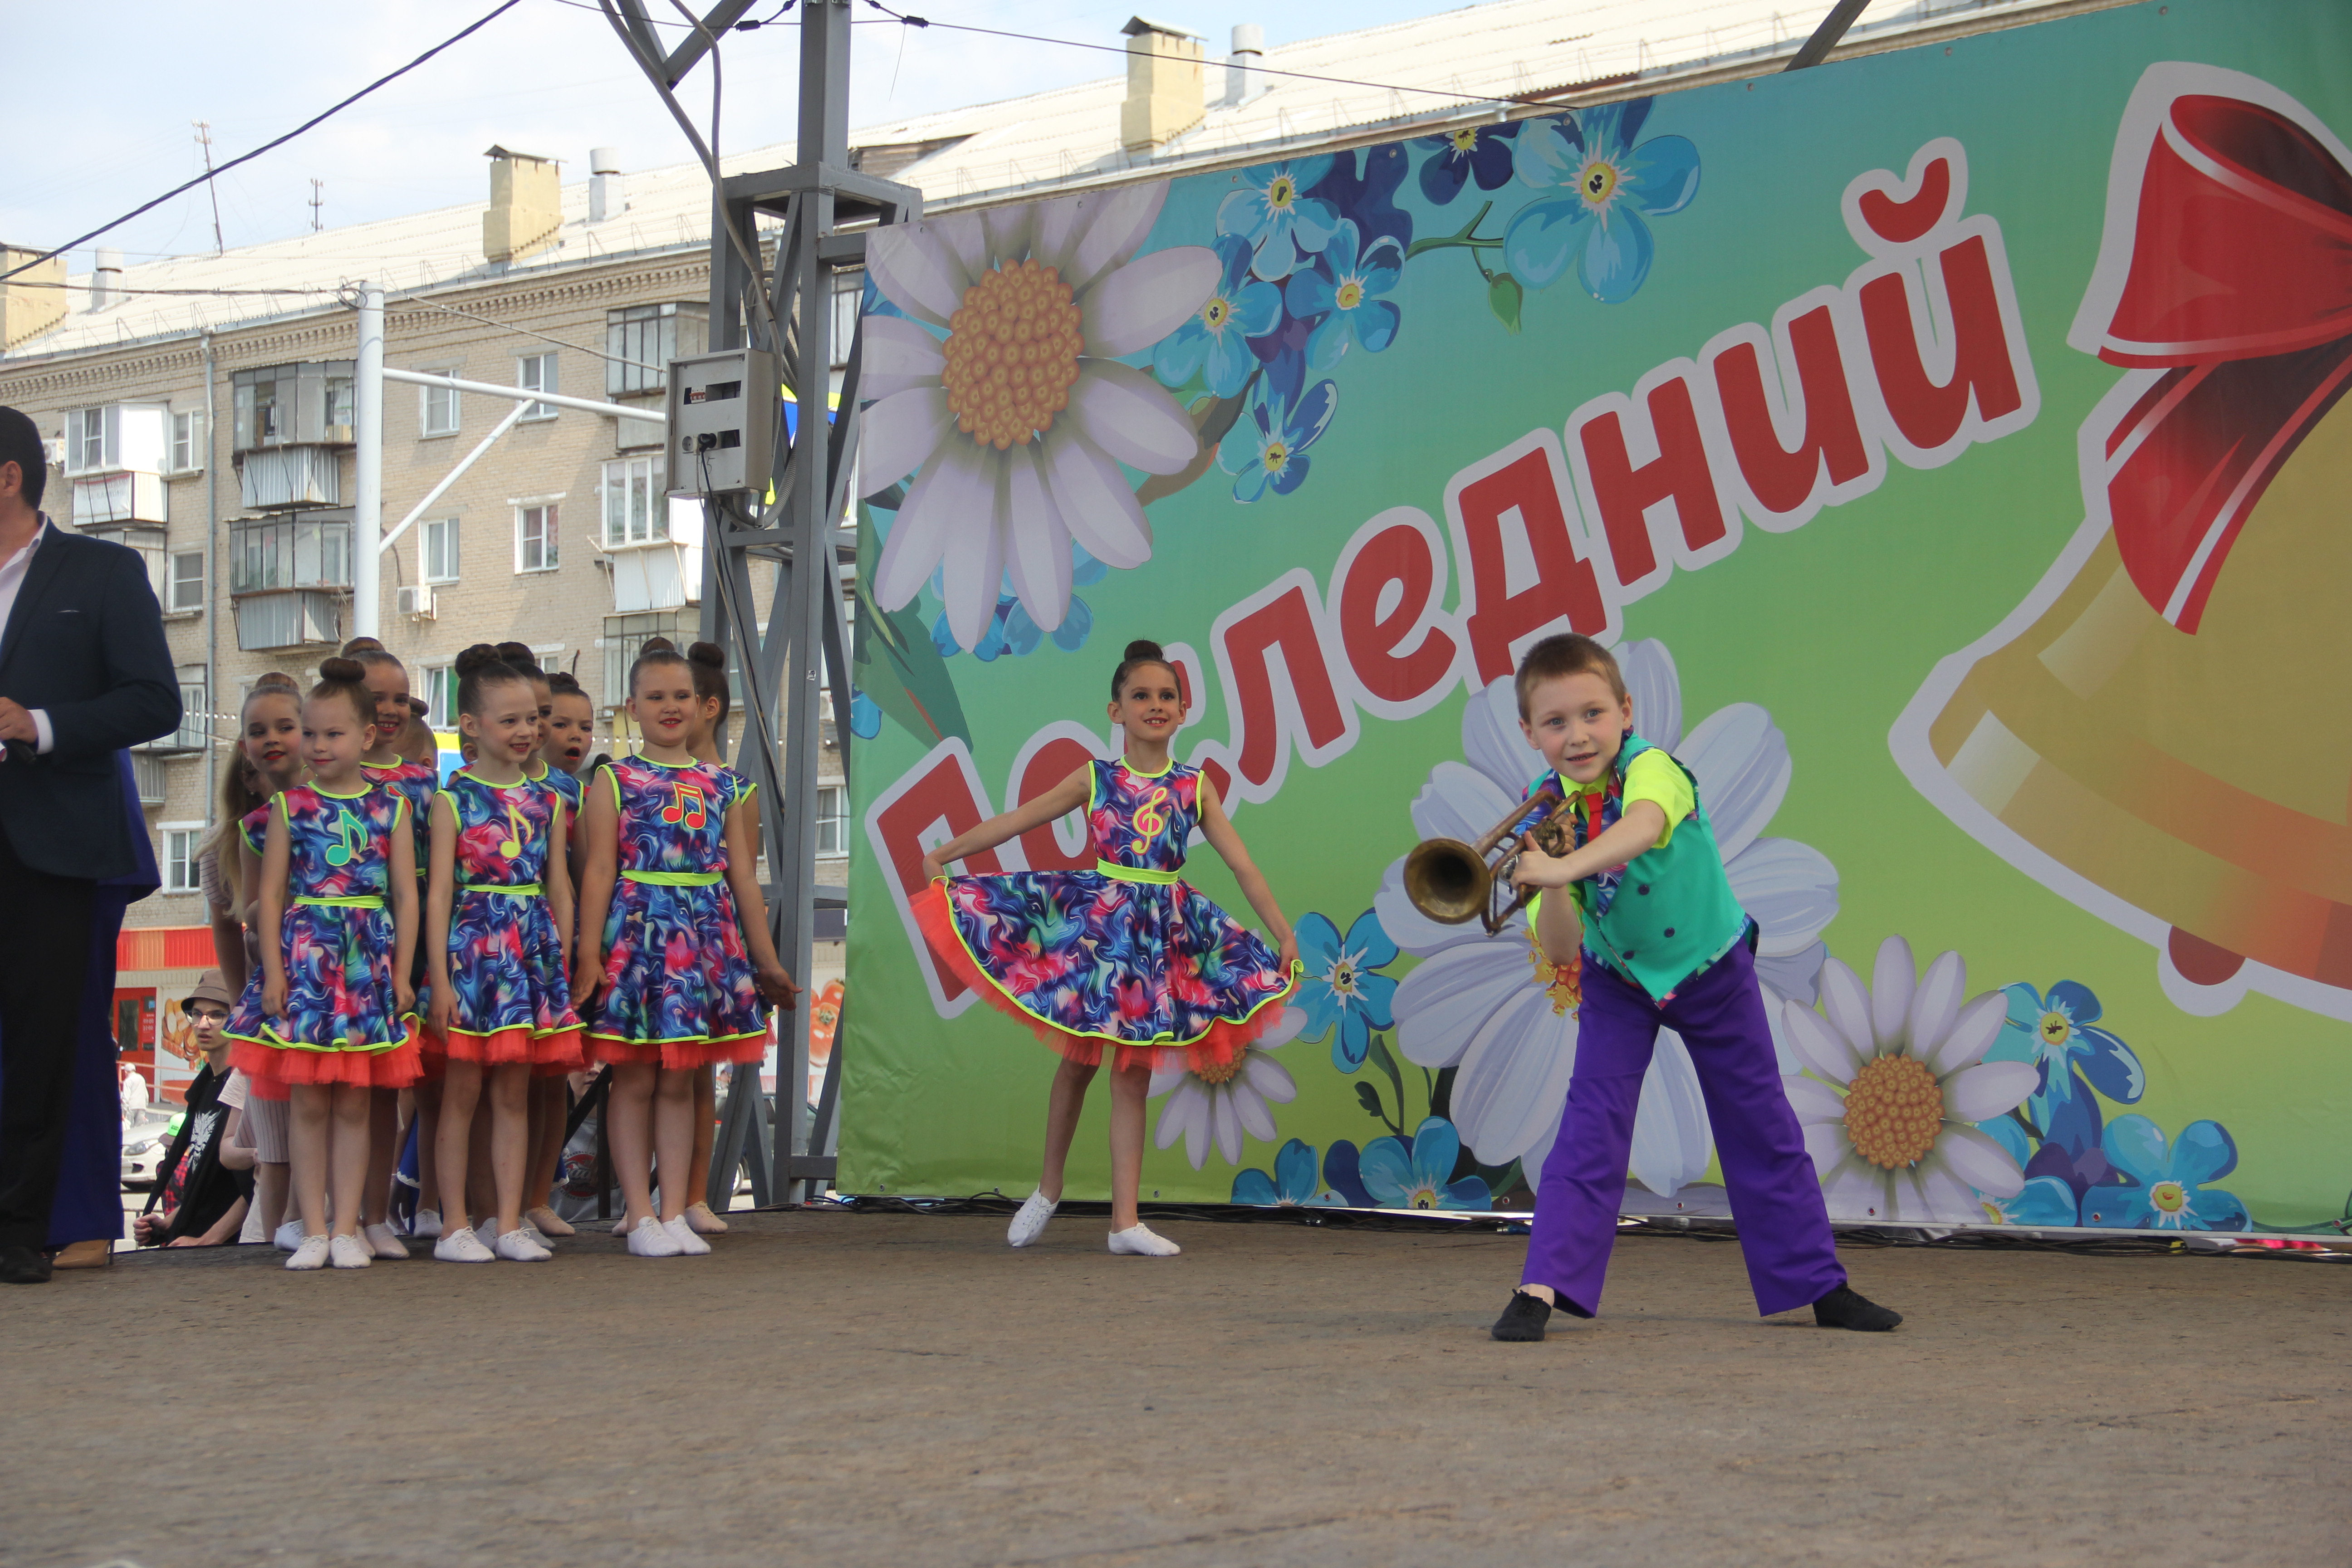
(1948, 443)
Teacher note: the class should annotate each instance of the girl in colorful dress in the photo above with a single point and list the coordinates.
(499, 919)
(670, 977)
(568, 724)
(333, 1020)
(1125, 957)
(269, 760)
(712, 698)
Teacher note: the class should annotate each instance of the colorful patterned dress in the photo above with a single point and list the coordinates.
(339, 949)
(563, 783)
(1127, 955)
(678, 989)
(254, 828)
(512, 1001)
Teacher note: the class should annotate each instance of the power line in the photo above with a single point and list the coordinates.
(1120, 50)
(247, 158)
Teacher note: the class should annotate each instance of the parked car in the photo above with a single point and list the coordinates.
(146, 1137)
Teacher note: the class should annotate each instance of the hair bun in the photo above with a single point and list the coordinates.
(343, 670)
(418, 707)
(480, 655)
(363, 644)
(274, 680)
(563, 680)
(658, 645)
(1144, 647)
(709, 654)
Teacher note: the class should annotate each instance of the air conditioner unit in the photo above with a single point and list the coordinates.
(417, 601)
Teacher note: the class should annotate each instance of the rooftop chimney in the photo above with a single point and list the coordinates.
(34, 300)
(1163, 85)
(1243, 80)
(106, 278)
(526, 206)
(605, 186)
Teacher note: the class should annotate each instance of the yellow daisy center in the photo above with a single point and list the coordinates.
(2055, 1028)
(1466, 140)
(1281, 193)
(1564, 981)
(1013, 353)
(1598, 183)
(1422, 1199)
(1894, 1110)
(1350, 294)
(1216, 313)
(1277, 456)
(1218, 1072)
(2168, 1198)
(1992, 1215)
(1343, 978)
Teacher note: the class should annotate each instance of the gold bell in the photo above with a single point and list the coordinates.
(2202, 776)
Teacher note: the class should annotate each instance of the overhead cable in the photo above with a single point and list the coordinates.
(311, 123)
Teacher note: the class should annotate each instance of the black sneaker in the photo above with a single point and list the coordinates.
(1846, 1308)
(24, 1265)
(1523, 1320)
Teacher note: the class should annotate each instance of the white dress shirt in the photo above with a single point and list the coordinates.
(12, 578)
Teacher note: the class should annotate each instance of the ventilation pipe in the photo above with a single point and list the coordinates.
(1163, 85)
(605, 197)
(526, 206)
(32, 301)
(106, 278)
(1243, 79)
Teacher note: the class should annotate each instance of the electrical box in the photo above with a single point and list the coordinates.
(722, 421)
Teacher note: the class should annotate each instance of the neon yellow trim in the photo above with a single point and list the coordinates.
(357, 901)
(514, 1029)
(330, 795)
(759, 1034)
(511, 890)
(1297, 972)
(691, 762)
(270, 1040)
(1165, 769)
(469, 773)
(614, 780)
(1135, 874)
(676, 878)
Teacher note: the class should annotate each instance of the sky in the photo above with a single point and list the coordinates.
(115, 108)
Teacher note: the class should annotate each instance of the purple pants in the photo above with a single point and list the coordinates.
(1776, 1197)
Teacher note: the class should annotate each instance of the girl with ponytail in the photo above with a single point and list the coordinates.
(1125, 959)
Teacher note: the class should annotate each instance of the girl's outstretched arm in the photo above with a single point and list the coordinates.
(1063, 798)
(403, 895)
(1227, 843)
(599, 828)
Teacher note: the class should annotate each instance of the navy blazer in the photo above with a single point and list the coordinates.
(84, 643)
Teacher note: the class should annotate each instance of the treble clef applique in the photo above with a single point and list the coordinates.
(1151, 820)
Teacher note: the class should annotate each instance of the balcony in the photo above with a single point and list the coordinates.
(306, 404)
(288, 576)
(290, 475)
(123, 497)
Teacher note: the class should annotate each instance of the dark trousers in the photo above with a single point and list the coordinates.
(89, 1205)
(44, 961)
(1776, 1198)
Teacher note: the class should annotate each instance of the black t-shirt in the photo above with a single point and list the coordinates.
(194, 1179)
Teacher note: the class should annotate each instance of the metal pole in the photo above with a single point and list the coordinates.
(1825, 36)
(367, 470)
(213, 595)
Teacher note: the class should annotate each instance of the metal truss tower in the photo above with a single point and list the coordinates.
(793, 517)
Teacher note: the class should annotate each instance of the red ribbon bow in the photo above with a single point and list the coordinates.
(2240, 288)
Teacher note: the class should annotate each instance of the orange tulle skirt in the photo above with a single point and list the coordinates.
(275, 1069)
(555, 1051)
(1214, 1054)
(673, 1056)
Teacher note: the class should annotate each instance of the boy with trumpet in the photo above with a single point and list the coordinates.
(1664, 944)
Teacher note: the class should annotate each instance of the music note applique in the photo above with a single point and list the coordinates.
(686, 805)
(1149, 820)
(516, 834)
(351, 839)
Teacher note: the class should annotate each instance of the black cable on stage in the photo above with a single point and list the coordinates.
(913, 21)
(248, 157)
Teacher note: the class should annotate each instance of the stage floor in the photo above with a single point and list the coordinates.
(833, 1388)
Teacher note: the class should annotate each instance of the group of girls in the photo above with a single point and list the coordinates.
(412, 945)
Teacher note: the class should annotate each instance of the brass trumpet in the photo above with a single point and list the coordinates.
(1450, 881)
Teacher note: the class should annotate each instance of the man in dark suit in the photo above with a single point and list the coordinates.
(84, 672)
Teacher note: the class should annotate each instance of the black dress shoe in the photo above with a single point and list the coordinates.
(24, 1265)
(1523, 1320)
(1846, 1308)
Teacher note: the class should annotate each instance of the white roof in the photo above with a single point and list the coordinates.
(1500, 49)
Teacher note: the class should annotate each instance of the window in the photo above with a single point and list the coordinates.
(848, 293)
(831, 820)
(291, 549)
(643, 340)
(635, 512)
(441, 550)
(342, 408)
(187, 582)
(196, 700)
(624, 638)
(183, 844)
(86, 445)
(258, 408)
(266, 621)
(439, 408)
(440, 694)
(188, 443)
(308, 403)
(535, 538)
(537, 371)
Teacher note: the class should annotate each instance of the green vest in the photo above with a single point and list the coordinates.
(1673, 913)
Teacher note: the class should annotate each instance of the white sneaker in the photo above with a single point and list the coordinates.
(1030, 1223)
(348, 1252)
(310, 1252)
(547, 1222)
(1139, 1241)
(380, 1241)
(516, 1246)
(427, 1225)
(652, 1239)
(462, 1245)
(704, 1222)
(287, 1236)
(681, 1232)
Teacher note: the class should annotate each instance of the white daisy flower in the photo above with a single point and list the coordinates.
(1494, 1009)
(1891, 1140)
(1020, 417)
(1221, 1105)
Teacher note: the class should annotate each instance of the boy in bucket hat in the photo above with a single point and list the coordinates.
(205, 1182)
